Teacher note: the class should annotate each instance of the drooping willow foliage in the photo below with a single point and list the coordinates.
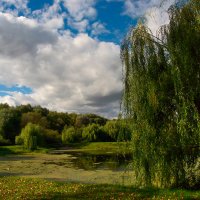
(162, 96)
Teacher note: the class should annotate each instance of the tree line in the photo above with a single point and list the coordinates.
(34, 126)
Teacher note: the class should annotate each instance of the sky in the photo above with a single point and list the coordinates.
(65, 54)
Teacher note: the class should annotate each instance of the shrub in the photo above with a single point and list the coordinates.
(3, 141)
(19, 140)
(51, 137)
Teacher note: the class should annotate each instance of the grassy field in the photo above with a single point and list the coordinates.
(102, 147)
(16, 149)
(107, 146)
(27, 188)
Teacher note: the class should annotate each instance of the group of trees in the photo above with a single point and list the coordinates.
(162, 97)
(111, 131)
(35, 126)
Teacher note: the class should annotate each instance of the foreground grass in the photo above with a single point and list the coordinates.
(27, 188)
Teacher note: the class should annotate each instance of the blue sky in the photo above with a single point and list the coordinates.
(65, 54)
(109, 14)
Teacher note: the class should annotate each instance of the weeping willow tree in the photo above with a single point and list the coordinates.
(162, 96)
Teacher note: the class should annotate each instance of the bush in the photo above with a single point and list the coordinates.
(4, 142)
(51, 137)
(19, 140)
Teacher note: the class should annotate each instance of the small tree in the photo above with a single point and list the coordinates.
(92, 133)
(112, 129)
(69, 135)
(31, 136)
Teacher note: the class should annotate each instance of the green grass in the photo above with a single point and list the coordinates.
(27, 188)
(16, 149)
(103, 147)
(95, 147)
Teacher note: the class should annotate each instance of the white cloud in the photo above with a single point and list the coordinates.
(158, 16)
(8, 99)
(137, 8)
(19, 6)
(80, 13)
(98, 28)
(50, 16)
(154, 11)
(65, 72)
(81, 26)
(80, 9)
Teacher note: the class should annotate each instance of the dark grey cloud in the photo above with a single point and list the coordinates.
(18, 38)
(101, 101)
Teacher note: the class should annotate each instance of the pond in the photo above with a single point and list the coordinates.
(92, 161)
(70, 166)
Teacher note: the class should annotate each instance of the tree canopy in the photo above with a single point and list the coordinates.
(55, 127)
(161, 96)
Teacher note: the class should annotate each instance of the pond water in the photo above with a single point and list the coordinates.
(70, 166)
(91, 161)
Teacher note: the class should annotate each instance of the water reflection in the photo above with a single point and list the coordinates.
(90, 161)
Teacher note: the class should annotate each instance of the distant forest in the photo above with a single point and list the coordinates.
(51, 128)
